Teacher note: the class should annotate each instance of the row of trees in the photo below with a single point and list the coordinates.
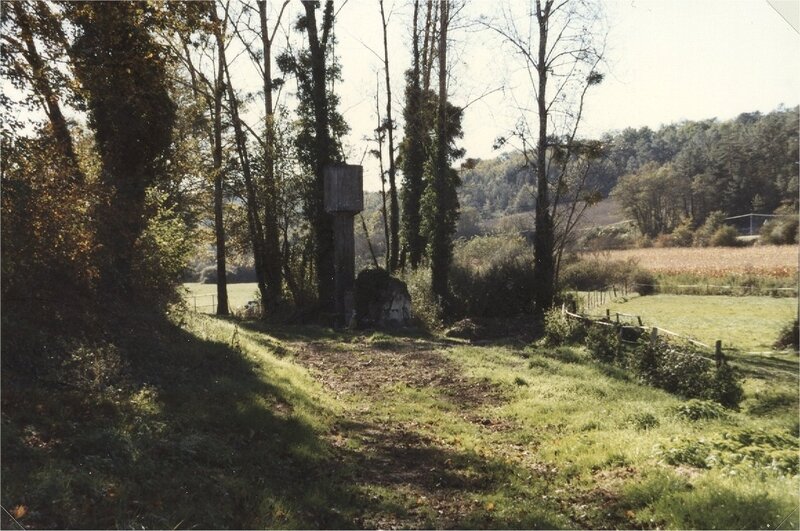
(148, 140)
(688, 171)
(735, 166)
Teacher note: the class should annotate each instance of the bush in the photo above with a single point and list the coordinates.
(643, 281)
(780, 231)
(725, 236)
(789, 337)
(424, 306)
(702, 236)
(492, 276)
(696, 409)
(594, 275)
(686, 374)
(603, 343)
(725, 387)
(559, 329)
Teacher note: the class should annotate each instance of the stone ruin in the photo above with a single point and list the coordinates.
(381, 300)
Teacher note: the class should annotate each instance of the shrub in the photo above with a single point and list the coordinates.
(643, 421)
(725, 387)
(780, 231)
(589, 275)
(559, 329)
(686, 373)
(696, 409)
(643, 281)
(725, 236)
(702, 236)
(424, 306)
(789, 336)
(603, 343)
(492, 276)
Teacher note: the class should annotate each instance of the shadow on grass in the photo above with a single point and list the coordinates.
(190, 435)
(168, 430)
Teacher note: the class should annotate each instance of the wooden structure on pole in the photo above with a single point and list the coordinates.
(344, 198)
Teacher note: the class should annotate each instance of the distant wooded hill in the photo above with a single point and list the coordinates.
(736, 166)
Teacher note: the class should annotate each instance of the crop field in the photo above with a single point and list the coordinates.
(778, 261)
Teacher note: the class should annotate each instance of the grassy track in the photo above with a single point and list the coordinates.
(227, 424)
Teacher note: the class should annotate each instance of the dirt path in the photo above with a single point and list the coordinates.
(399, 458)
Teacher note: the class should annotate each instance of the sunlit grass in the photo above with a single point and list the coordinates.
(238, 295)
(747, 323)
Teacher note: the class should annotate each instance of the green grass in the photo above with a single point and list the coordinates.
(238, 295)
(747, 323)
(223, 424)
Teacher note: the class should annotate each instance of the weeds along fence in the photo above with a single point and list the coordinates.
(617, 320)
(597, 298)
(717, 289)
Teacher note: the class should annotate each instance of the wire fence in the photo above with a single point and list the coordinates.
(203, 306)
(616, 320)
(596, 298)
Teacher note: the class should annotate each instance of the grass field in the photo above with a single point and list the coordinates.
(747, 323)
(238, 295)
(228, 424)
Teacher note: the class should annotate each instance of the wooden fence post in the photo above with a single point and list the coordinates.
(608, 315)
(653, 336)
(718, 355)
(639, 317)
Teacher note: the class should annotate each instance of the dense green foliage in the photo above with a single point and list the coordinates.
(737, 166)
(492, 276)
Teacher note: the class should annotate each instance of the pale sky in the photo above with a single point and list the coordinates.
(668, 60)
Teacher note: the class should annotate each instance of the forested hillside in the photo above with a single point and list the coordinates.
(735, 166)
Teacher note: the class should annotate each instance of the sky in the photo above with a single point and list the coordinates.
(667, 61)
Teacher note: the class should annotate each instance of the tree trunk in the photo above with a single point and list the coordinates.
(394, 218)
(219, 227)
(439, 244)
(321, 221)
(253, 221)
(272, 255)
(543, 236)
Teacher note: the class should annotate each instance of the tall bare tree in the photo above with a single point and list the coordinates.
(394, 209)
(560, 44)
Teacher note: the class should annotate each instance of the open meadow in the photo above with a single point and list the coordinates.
(204, 295)
(748, 323)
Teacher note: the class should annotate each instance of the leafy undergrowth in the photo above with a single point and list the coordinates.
(218, 424)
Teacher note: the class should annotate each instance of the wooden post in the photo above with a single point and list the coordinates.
(344, 198)
(653, 336)
(639, 318)
(608, 315)
(718, 355)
